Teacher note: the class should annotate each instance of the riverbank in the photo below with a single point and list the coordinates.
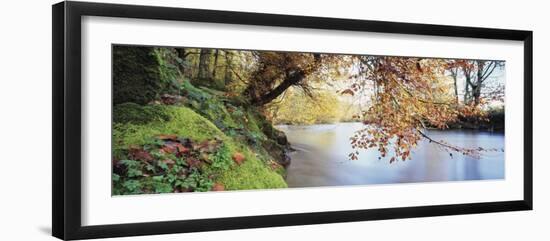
(197, 141)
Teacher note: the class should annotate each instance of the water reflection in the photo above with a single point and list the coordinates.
(321, 153)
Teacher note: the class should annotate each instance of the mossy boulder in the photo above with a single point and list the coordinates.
(253, 173)
(136, 114)
(136, 75)
(176, 120)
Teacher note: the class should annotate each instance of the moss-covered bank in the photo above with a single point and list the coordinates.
(236, 148)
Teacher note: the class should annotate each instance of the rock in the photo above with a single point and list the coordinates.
(168, 99)
(280, 137)
(136, 75)
(285, 160)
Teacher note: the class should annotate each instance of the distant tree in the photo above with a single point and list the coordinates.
(454, 69)
(182, 54)
(228, 74)
(476, 72)
(215, 66)
(204, 64)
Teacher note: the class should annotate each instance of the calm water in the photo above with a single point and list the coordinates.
(321, 158)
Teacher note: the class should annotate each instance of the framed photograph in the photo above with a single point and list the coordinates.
(169, 120)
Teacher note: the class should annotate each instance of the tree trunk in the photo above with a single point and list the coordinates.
(476, 92)
(228, 75)
(454, 74)
(273, 94)
(260, 96)
(467, 90)
(215, 64)
(182, 55)
(476, 89)
(456, 91)
(204, 64)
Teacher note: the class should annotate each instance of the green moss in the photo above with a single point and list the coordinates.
(137, 114)
(254, 173)
(136, 76)
(167, 69)
(194, 93)
(251, 121)
(208, 103)
(141, 74)
(182, 122)
(217, 112)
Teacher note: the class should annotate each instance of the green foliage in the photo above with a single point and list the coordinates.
(130, 186)
(221, 160)
(295, 107)
(196, 181)
(168, 172)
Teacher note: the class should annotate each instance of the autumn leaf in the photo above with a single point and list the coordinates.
(193, 162)
(169, 162)
(139, 154)
(169, 148)
(238, 158)
(168, 137)
(218, 187)
(182, 149)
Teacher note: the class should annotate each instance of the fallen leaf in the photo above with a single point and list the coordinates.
(182, 149)
(169, 137)
(192, 162)
(238, 158)
(140, 154)
(169, 162)
(169, 148)
(218, 187)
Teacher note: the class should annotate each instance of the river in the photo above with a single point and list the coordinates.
(320, 158)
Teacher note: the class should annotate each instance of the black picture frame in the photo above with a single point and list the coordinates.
(66, 47)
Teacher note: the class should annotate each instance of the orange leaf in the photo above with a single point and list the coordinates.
(218, 187)
(238, 158)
